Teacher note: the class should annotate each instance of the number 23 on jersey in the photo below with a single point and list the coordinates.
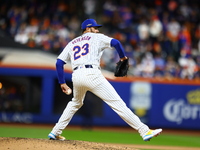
(80, 51)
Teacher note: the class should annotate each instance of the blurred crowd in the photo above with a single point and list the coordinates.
(161, 37)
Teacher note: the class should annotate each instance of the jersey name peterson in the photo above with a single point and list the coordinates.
(81, 39)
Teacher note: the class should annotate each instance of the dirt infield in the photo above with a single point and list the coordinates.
(8, 143)
(43, 144)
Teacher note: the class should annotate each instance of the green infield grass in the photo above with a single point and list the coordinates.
(102, 136)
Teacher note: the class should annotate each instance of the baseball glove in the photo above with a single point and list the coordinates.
(122, 68)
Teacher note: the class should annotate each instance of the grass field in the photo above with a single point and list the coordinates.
(103, 136)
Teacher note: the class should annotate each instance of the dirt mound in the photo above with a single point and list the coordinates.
(12, 143)
(44, 144)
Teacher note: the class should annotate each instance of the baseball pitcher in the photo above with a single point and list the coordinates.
(85, 53)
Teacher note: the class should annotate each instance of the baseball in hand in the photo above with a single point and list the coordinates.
(69, 91)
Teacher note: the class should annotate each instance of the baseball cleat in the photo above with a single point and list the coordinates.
(54, 137)
(151, 133)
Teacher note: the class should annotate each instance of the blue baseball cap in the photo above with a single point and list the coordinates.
(89, 23)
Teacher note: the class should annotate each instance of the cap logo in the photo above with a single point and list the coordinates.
(89, 24)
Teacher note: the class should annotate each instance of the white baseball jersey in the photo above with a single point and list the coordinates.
(87, 50)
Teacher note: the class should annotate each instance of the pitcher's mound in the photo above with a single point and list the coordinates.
(8, 143)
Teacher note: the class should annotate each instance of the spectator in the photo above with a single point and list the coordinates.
(148, 66)
(170, 67)
(188, 65)
(143, 30)
(90, 11)
(21, 36)
(108, 61)
(155, 28)
(159, 65)
(173, 31)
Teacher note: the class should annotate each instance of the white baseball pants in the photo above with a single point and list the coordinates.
(90, 79)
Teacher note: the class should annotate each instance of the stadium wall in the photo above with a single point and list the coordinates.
(158, 102)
